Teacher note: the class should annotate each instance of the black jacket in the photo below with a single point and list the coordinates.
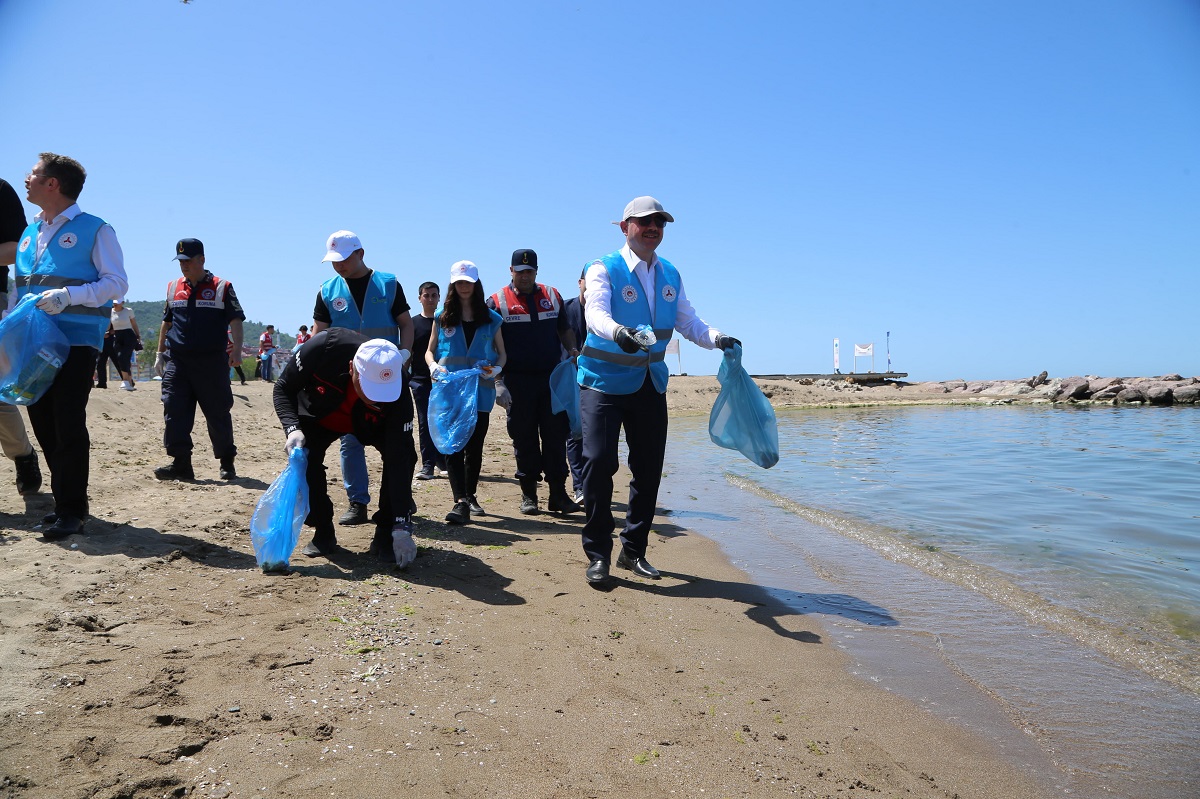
(315, 381)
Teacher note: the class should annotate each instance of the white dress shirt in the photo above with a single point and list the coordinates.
(112, 283)
(599, 302)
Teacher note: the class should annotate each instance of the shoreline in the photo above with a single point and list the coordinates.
(151, 657)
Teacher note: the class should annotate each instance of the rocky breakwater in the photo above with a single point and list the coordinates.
(1170, 389)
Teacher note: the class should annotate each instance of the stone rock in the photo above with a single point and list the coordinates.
(1073, 388)
(1098, 384)
(1130, 395)
(954, 385)
(931, 388)
(1108, 392)
(1039, 380)
(1187, 395)
(1160, 395)
(1011, 389)
(1172, 378)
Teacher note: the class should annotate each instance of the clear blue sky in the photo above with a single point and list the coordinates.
(1005, 186)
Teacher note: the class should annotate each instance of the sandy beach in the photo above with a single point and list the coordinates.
(151, 658)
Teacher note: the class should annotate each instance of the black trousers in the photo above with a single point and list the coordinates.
(643, 415)
(59, 421)
(539, 435)
(394, 441)
(193, 380)
(463, 467)
(429, 454)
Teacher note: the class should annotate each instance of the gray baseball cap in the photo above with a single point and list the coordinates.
(644, 206)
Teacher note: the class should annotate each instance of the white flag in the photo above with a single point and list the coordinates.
(835, 354)
(864, 349)
(673, 346)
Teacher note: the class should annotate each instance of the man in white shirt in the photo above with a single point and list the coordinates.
(634, 302)
(73, 261)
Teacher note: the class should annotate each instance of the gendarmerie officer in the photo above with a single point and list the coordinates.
(201, 319)
(535, 332)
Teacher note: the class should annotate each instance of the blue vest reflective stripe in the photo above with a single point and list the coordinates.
(67, 261)
(452, 353)
(603, 365)
(376, 319)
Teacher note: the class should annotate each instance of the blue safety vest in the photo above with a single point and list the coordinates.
(67, 261)
(376, 320)
(603, 365)
(452, 352)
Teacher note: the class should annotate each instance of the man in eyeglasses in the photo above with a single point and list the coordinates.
(73, 260)
(623, 376)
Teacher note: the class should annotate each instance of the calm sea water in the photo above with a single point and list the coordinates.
(1030, 568)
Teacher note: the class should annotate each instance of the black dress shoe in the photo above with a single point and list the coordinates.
(50, 518)
(63, 526)
(597, 571)
(460, 514)
(639, 566)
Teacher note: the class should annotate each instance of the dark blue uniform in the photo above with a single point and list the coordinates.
(197, 369)
(532, 323)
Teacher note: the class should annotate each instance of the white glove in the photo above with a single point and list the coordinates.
(295, 439)
(160, 364)
(403, 546)
(491, 372)
(54, 301)
(438, 372)
(503, 398)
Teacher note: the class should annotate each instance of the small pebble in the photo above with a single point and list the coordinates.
(235, 709)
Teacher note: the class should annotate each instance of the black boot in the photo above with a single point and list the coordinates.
(560, 501)
(29, 474)
(227, 470)
(529, 501)
(178, 469)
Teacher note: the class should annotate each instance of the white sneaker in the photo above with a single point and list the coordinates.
(125, 384)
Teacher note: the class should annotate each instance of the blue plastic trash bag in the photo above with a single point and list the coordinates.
(564, 395)
(279, 517)
(742, 418)
(454, 409)
(32, 350)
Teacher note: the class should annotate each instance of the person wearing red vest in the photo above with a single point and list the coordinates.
(535, 333)
(200, 338)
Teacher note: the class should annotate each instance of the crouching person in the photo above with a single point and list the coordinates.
(342, 382)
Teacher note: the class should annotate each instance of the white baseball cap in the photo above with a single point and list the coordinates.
(644, 206)
(464, 270)
(341, 245)
(380, 370)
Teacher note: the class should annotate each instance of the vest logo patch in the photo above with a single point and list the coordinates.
(25, 243)
(629, 294)
(68, 240)
(339, 304)
(450, 332)
(208, 294)
(546, 304)
(668, 293)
